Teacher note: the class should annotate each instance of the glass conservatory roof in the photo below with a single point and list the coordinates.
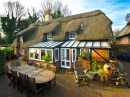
(73, 44)
(88, 44)
(51, 44)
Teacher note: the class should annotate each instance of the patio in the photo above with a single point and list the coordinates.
(67, 87)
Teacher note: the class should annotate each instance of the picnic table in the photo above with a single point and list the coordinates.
(40, 75)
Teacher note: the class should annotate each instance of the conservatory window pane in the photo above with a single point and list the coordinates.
(82, 44)
(75, 44)
(49, 52)
(31, 53)
(96, 44)
(104, 44)
(89, 44)
(56, 55)
(36, 53)
(42, 53)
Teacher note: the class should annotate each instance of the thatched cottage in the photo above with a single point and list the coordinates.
(63, 38)
(123, 37)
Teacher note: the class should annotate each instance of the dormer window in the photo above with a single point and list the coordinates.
(21, 38)
(82, 27)
(49, 36)
(71, 35)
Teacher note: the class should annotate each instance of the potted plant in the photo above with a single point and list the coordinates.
(46, 59)
(90, 75)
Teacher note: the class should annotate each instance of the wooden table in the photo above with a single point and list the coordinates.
(40, 75)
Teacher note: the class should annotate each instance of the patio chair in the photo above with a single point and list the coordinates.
(8, 74)
(31, 83)
(15, 79)
(23, 81)
(78, 70)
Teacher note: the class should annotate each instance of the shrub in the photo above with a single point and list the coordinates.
(9, 51)
(46, 59)
(90, 73)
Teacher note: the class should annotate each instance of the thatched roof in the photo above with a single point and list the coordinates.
(123, 32)
(97, 26)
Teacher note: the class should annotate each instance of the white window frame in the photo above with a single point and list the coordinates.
(123, 40)
(46, 53)
(82, 27)
(85, 50)
(21, 38)
(33, 53)
(49, 36)
(22, 52)
(75, 54)
(70, 33)
(55, 54)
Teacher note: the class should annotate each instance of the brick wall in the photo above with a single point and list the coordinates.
(123, 40)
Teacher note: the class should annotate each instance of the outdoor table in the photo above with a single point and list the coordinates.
(41, 75)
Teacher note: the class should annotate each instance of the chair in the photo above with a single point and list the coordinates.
(78, 70)
(23, 81)
(8, 74)
(15, 79)
(31, 83)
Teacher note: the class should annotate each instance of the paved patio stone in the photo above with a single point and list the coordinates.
(67, 87)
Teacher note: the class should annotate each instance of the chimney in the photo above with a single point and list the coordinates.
(48, 15)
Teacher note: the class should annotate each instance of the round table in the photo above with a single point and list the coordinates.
(40, 75)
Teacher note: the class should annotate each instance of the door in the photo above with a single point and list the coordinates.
(65, 58)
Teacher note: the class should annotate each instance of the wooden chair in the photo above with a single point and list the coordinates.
(15, 79)
(8, 74)
(35, 88)
(78, 70)
(23, 81)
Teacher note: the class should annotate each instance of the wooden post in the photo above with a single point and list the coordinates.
(90, 58)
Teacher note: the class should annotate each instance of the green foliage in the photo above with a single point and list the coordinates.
(9, 51)
(100, 71)
(94, 66)
(84, 55)
(90, 73)
(46, 59)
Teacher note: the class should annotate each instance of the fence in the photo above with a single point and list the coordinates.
(2, 61)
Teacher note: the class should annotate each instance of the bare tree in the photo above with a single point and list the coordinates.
(53, 6)
(14, 8)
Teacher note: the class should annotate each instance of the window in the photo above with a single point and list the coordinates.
(31, 53)
(96, 44)
(49, 36)
(126, 39)
(74, 54)
(21, 51)
(85, 49)
(123, 40)
(45, 52)
(71, 35)
(118, 40)
(104, 44)
(34, 53)
(21, 38)
(82, 27)
(56, 54)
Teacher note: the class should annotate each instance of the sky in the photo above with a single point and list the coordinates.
(116, 10)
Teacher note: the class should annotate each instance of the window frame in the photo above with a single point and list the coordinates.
(73, 33)
(21, 38)
(84, 48)
(82, 26)
(46, 53)
(49, 35)
(33, 53)
(75, 53)
(55, 54)
(20, 51)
